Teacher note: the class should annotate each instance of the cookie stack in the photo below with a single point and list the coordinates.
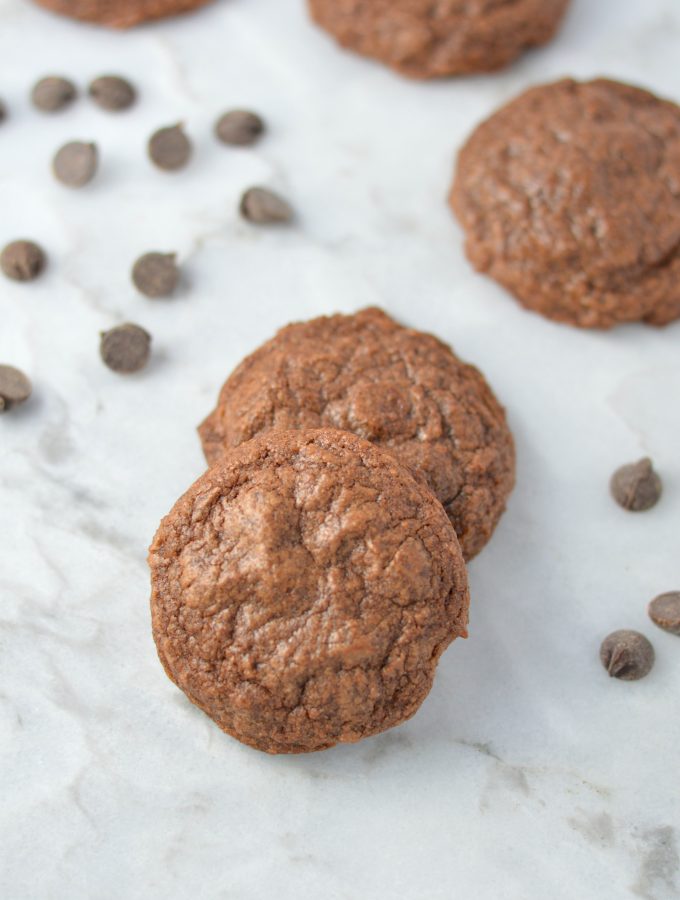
(305, 587)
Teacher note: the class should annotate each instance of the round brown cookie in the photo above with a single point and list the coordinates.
(304, 589)
(570, 198)
(422, 39)
(120, 13)
(399, 388)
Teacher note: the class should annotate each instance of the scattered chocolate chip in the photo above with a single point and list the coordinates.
(170, 148)
(3, 111)
(239, 128)
(126, 348)
(636, 487)
(22, 260)
(264, 207)
(75, 165)
(627, 655)
(53, 94)
(112, 93)
(156, 274)
(664, 611)
(15, 388)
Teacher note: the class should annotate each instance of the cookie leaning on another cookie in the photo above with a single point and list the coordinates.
(304, 589)
(570, 198)
(422, 39)
(120, 13)
(399, 388)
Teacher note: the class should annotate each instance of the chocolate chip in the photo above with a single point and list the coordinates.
(3, 111)
(170, 148)
(156, 274)
(664, 611)
(75, 165)
(636, 487)
(239, 128)
(15, 388)
(627, 655)
(112, 93)
(126, 348)
(264, 207)
(22, 260)
(53, 94)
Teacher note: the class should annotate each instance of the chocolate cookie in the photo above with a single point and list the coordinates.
(120, 13)
(399, 388)
(430, 40)
(304, 590)
(570, 198)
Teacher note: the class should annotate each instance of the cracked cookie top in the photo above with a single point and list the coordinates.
(304, 589)
(426, 39)
(394, 386)
(570, 198)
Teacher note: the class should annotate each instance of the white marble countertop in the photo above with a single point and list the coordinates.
(527, 774)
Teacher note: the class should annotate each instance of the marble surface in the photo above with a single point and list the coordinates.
(527, 774)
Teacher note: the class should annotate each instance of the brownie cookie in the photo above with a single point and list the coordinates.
(120, 13)
(396, 387)
(304, 589)
(422, 39)
(570, 198)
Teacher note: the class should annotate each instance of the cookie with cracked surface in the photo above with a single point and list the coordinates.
(423, 39)
(120, 13)
(570, 198)
(304, 589)
(394, 386)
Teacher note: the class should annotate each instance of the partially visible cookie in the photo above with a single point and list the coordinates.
(422, 39)
(397, 387)
(120, 13)
(304, 589)
(570, 198)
